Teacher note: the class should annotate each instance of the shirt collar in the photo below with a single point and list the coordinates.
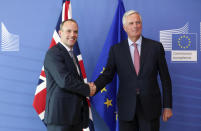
(138, 42)
(67, 48)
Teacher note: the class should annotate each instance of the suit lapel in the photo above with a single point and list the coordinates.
(64, 51)
(68, 57)
(144, 49)
(126, 51)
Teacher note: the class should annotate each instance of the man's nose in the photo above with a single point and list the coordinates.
(135, 24)
(72, 33)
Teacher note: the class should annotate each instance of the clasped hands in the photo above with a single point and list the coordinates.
(92, 87)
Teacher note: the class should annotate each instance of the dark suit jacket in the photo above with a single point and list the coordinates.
(66, 91)
(152, 62)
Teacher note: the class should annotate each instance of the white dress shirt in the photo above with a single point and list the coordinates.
(68, 49)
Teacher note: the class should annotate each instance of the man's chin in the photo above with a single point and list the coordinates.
(71, 43)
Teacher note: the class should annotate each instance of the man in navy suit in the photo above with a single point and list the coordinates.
(138, 61)
(66, 105)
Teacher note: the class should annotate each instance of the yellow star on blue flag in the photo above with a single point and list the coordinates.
(104, 102)
(108, 103)
(184, 41)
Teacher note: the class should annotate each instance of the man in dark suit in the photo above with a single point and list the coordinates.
(138, 61)
(66, 105)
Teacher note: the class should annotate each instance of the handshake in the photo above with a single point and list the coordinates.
(92, 87)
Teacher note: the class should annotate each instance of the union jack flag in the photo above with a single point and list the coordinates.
(40, 94)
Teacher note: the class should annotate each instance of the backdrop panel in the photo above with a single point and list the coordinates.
(30, 23)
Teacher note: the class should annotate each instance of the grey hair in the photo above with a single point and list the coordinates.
(128, 13)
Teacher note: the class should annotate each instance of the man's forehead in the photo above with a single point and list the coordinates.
(133, 16)
(69, 23)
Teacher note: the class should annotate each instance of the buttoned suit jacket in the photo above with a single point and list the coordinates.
(66, 90)
(152, 63)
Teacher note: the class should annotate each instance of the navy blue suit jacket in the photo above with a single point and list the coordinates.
(152, 63)
(66, 91)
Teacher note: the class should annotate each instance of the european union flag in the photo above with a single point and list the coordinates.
(105, 101)
(183, 41)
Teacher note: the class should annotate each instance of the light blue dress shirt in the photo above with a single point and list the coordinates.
(132, 48)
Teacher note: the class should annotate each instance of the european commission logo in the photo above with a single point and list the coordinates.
(181, 43)
(9, 41)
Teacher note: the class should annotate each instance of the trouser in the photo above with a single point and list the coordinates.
(139, 123)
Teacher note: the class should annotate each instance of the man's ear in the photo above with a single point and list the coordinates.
(124, 28)
(60, 33)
